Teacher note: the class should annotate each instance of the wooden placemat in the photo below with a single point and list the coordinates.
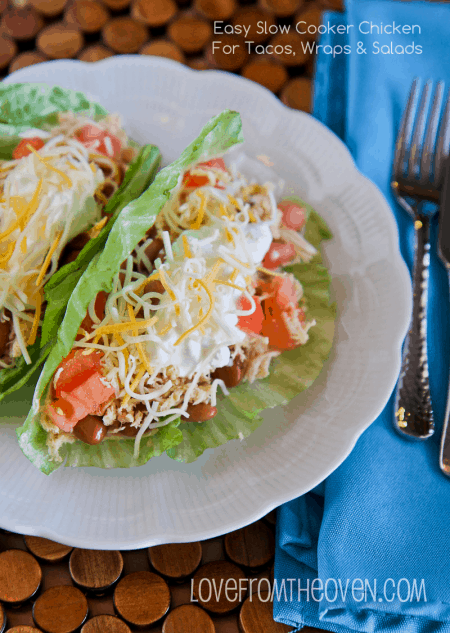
(255, 38)
(180, 588)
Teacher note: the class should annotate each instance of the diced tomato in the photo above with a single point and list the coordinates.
(76, 368)
(89, 397)
(274, 326)
(87, 323)
(22, 150)
(294, 215)
(95, 138)
(198, 180)
(285, 292)
(217, 163)
(62, 414)
(253, 322)
(279, 254)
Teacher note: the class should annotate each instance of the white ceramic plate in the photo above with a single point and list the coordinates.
(297, 446)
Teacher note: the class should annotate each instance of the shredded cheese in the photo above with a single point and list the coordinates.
(36, 320)
(140, 349)
(4, 259)
(133, 386)
(187, 250)
(205, 318)
(201, 212)
(48, 258)
(64, 176)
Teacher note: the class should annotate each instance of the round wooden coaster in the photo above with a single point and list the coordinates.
(88, 15)
(297, 93)
(21, 23)
(256, 615)
(26, 59)
(23, 629)
(60, 41)
(190, 32)
(153, 13)
(60, 609)
(47, 550)
(252, 546)
(288, 48)
(281, 8)
(188, 619)
(216, 9)
(256, 20)
(105, 624)
(8, 50)
(176, 561)
(142, 598)
(95, 570)
(219, 586)
(49, 8)
(312, 15)
(95, 53)
(124, 35)
(163, 48)
(20, 576)
(267, 72)
(117, 5)
(230, 52)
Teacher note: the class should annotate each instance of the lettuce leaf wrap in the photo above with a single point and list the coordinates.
(290, 373)
(34, 106)
(220, 133)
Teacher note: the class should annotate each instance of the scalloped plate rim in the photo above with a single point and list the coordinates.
(402, 323)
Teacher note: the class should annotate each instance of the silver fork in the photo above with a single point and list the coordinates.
(417, 178)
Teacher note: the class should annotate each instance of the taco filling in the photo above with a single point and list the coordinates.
(200, 305)
(52, 195)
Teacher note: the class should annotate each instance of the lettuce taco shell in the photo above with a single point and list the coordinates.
(25, 106)
(220, 133)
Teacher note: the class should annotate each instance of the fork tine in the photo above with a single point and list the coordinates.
(426, 162)
(404, 133)
(443, 145)
(416, 145)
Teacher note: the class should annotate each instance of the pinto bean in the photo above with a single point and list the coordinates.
(5, 329)
(70, 257)
(154, 286)
(153, 249)
(129, 431)
(151, 232)
(231, 375)
(90, 430)
(200, 412)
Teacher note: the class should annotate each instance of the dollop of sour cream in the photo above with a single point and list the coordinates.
(206, 347)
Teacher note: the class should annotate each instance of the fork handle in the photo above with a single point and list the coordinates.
(413, 410)
(444, 456)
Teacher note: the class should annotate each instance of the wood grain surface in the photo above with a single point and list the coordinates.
(59, 606)
(244, 37)
(20, 576)
(176, 561)
(95, 570)
(47, 550)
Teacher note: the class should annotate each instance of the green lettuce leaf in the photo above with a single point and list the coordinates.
(220, 134)
(23, 106)
(59, 288)
(290, 373)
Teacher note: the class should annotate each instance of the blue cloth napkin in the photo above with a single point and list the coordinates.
(381, 521)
